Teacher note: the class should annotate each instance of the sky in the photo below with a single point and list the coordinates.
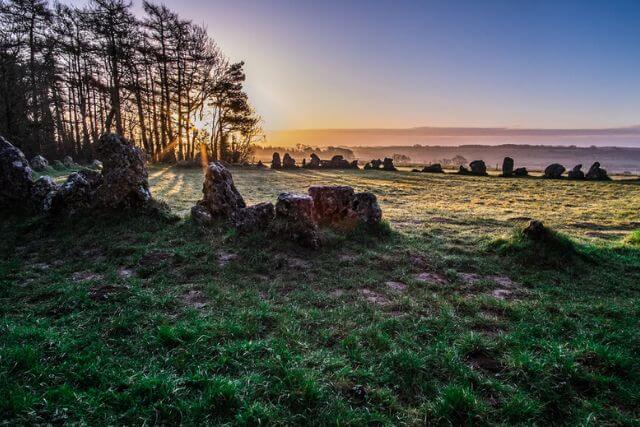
(401, 63)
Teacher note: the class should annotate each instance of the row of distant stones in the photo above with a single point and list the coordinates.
(476, 167)
(553, 171)
(119, 181)
(295, 217)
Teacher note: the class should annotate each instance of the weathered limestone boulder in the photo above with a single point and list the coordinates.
(597, 173)
(68, 162)
(314, 162)
(478, 167)
(576, 172)
(342, 206)
(387, 164)
(201, 215)
(507, 166)
(39, 163)
(97, 164)
(220, 196)
(125, 183)
(520, 172)
(253, 218)
(554, 171)
(332, 204)
(288, 162)
(365, 205)
(42, 193)
(16, 177)
(78, 194)
(275, 161)
(294, 220)
(434, 168)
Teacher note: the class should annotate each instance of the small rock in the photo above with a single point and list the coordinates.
(253, 218)
(224, 258)
(374, 297)
(125, 273)
(85, 276)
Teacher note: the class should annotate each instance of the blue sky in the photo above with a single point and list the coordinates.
(355, 64)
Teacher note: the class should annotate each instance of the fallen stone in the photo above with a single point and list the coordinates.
(341, 206)
(76, 195)
(39, 163)
(554, 171)
(42, 192)
(520, 172)
(434, 168)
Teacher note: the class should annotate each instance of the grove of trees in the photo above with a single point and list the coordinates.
(69, 74)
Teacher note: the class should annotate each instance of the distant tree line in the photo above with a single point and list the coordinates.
(69, 74)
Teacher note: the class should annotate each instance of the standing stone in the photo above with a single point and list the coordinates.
(294, 219)
(16, 177)
(478, 167)
(288, 162)
(554, 171)
(367, 166)
(220, 196)
(354, 165)
(39, 163)
(125, 175)
(576, 172)
(387, 164)
(275, 161)
(597, 173)
(315, 161)
(332, 204)
(507, 166)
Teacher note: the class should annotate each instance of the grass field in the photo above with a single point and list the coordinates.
(452, 317)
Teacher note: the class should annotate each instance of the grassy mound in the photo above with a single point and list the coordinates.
(541, 247)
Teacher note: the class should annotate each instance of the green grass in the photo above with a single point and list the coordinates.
(124, 320)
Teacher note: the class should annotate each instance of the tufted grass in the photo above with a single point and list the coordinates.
(125, 320)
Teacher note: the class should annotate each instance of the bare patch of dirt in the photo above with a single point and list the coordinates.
(195, 298)
(374, 297)
(85, 276)
(470, 278)
(155, 259)
(337, 293)
(397, 286)
(298, 263)
(502, 294)
(442, 220)
(104, 292)
(347, 257)
(481, 359)
(225, 258)
(125, 273)
(433, 278)
(488, 328)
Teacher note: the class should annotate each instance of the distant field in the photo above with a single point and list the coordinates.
(465, 204)
(452, 317)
